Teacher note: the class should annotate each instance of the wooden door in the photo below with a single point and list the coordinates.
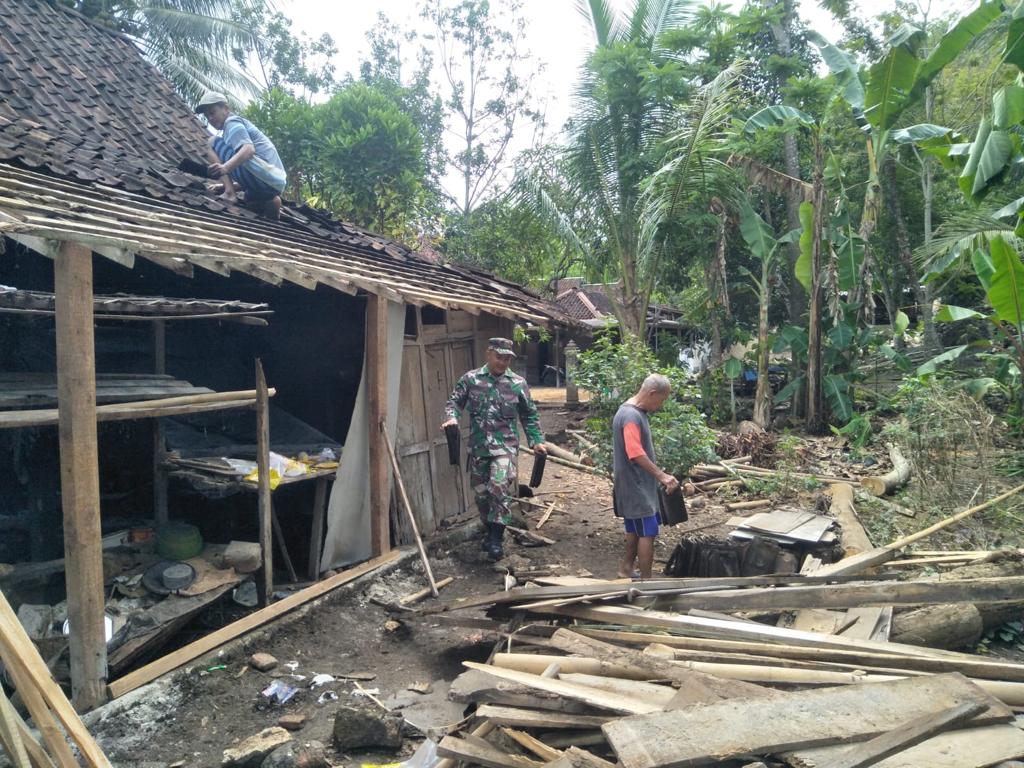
(413, 446)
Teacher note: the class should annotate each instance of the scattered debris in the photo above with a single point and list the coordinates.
(251, 752)
(263, 662)
(421, 687)
(293, 721)
(279, 692)
(360, 727)
(312, 754)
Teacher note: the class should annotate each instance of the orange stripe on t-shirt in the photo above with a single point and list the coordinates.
(634, 445)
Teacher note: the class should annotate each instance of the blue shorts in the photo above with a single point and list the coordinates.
(642, 526)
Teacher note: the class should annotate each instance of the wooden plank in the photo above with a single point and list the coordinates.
(516, 717)
(931, 592)
(376, 357)
(651, 693)
(872, 623)
(966, 748)
(532, 744)
(476, 751)
(966, 664)
(264, 504)
(907, 735)
(215, 639)
(159, 441)
(10, 734)
(316, 535)
(586, 694)
(789, 721)
(79, 473)
(632, 663)
(41, 693)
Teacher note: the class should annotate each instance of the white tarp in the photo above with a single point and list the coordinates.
(348, 511)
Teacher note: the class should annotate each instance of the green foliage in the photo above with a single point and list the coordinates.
(613, 372)
(359, 154)
(189, 41)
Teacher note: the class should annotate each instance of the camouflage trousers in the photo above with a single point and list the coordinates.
(494, 485)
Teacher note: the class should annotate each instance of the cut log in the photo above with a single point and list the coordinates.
(790, 721)
(555, 450)
(855, 538)
(953, 626)
(894, 479)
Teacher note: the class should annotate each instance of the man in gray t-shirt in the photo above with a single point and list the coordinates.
(636, 476)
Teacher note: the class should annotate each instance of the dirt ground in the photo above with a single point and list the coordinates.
(193, 717)
(189, 719)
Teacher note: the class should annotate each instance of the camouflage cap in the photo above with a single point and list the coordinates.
(501, 346)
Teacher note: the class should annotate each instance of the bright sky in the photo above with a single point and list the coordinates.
(556, 35)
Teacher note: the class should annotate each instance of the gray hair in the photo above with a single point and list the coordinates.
(656, 384)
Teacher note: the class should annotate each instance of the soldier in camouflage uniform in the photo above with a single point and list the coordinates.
(495, 398)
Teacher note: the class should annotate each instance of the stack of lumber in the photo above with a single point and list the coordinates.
(698, 671)
(45, 701)
(658, 689)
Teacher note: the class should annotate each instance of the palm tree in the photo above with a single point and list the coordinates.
(191, 42)
(615, 136)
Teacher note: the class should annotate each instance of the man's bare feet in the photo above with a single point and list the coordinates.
(272, 210)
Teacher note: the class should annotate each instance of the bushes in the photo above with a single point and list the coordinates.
(612, 372)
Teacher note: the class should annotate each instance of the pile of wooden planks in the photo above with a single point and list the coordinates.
(51, 712)
(634, 683)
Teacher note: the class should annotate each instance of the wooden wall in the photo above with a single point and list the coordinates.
(439, 347)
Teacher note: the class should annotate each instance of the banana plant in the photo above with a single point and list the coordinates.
(809, 266)
(765, 247)
(881, 96)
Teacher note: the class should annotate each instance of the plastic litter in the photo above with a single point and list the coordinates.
(425, 756)
(245, 595)
(280, 691)
(291, 666)
(321, 679)
(327, 696)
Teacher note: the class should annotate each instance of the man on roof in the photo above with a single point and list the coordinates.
(242, 153)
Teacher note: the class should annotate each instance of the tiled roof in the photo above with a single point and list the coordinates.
(91, 138)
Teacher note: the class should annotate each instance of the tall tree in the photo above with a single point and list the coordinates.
(487, 73)
(189, 41)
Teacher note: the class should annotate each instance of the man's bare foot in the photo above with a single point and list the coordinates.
(272, 210)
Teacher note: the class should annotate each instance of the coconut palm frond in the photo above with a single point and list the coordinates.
(958, 236)
(689, 155)
(528, 192)
(602, 19)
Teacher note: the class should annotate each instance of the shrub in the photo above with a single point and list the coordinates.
(612, 372)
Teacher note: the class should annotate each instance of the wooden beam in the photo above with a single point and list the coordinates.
(788, 721)
(223, 635)
(159, 441)
(377, 391)
(79, 473)
(265, 581)
(316, 535)
(907, 735)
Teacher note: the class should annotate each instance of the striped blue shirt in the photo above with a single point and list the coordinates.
(266, 164)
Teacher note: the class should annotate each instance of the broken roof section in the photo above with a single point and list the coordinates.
(91, 139)
(125, 306)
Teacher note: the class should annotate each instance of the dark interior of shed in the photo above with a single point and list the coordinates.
(312, 353)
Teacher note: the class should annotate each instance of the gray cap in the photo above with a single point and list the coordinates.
(209, 99)
(501, 346)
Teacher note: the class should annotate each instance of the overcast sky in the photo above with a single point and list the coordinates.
(556, 36)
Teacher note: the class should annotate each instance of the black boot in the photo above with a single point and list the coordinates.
(494, 548)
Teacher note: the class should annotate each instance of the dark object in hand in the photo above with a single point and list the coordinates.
(452, 433)
(672, 506)
(539, 460)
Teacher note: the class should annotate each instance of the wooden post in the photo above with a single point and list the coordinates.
(377, 390)
(159, 442)
(79, 473)
(264, 584)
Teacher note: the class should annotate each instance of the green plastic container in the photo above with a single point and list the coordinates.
(178, 541)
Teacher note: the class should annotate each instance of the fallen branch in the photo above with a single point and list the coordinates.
(894, 479)
(564, 463)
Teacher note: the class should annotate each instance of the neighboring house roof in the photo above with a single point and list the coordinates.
(91, 139)
(591, 303)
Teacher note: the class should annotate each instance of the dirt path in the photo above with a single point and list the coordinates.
(190, 720)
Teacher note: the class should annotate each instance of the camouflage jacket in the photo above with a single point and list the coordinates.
(494, 404)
